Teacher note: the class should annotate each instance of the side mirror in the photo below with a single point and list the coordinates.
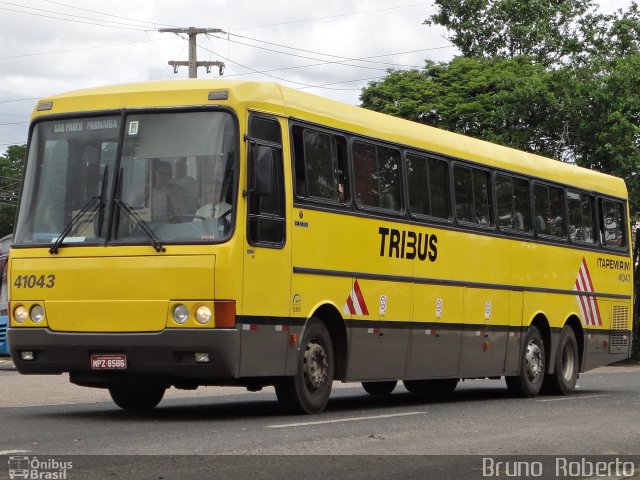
(262, 163)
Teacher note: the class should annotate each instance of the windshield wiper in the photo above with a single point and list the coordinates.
(151, 236)
(95, 203)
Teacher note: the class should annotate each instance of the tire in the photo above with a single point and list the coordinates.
(137, 398)
(309, 389)
(567, 365)
(435, 388)
(532, 366)
(379, 388)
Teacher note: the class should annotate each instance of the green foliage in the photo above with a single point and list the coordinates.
(541, 29)
(11, 163)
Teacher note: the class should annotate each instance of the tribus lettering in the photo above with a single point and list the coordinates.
(407, 244)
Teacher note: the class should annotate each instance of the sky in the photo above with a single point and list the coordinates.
(331, 48)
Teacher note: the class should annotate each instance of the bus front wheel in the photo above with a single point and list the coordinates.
(308, 390)
(532, 366)
(137, 398)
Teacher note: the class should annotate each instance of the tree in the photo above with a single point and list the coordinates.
(542, 29)
(11, 163)
(498, 100)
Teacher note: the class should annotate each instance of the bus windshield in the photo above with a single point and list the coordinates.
(169, 176)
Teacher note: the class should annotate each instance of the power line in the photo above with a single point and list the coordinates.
(328, 17)
(19, 100)
(74, 49)
(154, 24)
(67, 19)
(343, 59)
(265, 73)
(342, 62)
(361, 59)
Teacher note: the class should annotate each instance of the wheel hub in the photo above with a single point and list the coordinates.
(315, 365)
(534, 361)
(567, 363)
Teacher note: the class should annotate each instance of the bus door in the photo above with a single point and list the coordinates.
(267, 255)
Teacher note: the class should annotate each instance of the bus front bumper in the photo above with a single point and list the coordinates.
(169, 355)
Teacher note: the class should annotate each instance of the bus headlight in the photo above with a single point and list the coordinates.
(180, 314)
(36, 314)
(203, 314)
(20, 314)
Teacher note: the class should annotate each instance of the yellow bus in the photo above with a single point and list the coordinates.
(190, 233)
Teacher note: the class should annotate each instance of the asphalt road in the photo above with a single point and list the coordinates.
(230, 433)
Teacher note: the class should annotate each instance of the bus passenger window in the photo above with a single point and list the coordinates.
(472, 195)
(612, 223)
(427, 180)
(378, 176)
(512, 196)
(549, 211)
(581, 227)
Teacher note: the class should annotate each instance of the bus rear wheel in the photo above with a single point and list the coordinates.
(137, 398)
(532, 366)
(379, 388)
(309, 389)
(435, 388)
(563, 380)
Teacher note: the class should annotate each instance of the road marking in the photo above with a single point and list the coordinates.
(11, 452)
(341, 420)
(573, 397)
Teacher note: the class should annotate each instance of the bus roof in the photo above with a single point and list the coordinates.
(280, 100)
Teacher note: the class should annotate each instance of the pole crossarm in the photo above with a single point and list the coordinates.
(193, 62)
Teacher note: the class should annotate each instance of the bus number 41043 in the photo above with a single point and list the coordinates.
(33, 281)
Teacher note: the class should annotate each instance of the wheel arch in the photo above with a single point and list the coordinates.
(331, 317)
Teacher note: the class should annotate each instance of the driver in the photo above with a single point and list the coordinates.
(212, 209)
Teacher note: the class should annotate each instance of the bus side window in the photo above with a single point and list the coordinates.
(378, 176)
(512, 195)
(472, 195)
(432, 173)
(581, 225)
(612, 224)
(549, 211)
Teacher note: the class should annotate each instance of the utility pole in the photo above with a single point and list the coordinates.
(193, 62)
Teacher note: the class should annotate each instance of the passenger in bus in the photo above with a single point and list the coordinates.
(187, 184)
(213, 208)
(166, 199)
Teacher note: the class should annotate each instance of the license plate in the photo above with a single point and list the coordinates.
(117, 361)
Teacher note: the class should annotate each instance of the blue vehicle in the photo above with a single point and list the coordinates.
(5, 243)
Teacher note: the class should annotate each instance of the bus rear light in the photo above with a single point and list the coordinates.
(225, 313)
